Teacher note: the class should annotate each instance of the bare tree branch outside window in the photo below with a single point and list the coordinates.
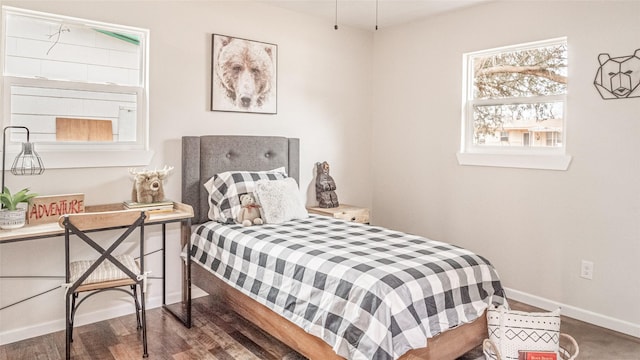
(523, 78)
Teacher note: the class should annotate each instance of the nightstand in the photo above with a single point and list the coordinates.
(347, 212)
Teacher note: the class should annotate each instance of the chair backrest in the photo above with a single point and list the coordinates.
(78, 224)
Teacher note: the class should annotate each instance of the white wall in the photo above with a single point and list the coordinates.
(534, 225)
(324, 98)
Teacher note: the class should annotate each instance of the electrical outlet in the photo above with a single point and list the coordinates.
(586, 271)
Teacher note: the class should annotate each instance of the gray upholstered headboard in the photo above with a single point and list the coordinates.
(204, 156)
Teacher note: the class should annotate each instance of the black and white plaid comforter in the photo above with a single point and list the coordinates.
(369, 292)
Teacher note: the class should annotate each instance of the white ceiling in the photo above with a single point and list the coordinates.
(362, 13)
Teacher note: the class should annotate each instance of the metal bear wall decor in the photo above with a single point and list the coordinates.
(618, 77)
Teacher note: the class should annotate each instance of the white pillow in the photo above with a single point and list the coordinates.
(280, 201)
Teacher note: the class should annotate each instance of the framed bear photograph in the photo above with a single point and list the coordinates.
(243, 75)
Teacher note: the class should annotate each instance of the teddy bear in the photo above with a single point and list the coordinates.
(250, 212)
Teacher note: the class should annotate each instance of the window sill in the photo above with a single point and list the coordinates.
(90, 159)
(529, 161)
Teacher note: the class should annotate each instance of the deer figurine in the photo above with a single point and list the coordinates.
(147, 185)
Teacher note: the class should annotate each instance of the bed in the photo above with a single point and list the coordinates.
(453, 331)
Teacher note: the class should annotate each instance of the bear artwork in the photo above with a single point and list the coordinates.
(618, 77)
(325, 187)
(244, 75)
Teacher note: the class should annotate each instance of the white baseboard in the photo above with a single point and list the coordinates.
(28, 332)
(604, 321)
(590, 317)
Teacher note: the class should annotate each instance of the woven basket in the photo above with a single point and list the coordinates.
(568, 350)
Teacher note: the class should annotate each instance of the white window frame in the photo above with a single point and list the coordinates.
(553, 158)
(83, 154)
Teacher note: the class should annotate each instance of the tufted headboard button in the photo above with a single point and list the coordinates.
(267, 155)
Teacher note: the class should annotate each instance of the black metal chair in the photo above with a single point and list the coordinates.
(109, 271)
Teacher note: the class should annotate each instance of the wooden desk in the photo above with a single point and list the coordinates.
(181, 213)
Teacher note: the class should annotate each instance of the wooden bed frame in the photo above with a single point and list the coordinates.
(204, 156)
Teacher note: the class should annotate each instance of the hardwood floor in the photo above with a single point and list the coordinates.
(218, 333)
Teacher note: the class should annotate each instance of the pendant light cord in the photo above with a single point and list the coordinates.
(336, 23)
(335, 26)
(376, 14)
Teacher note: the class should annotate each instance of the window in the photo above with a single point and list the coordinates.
(514, 106)
(80, 87)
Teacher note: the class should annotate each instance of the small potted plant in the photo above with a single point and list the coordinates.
(11, 216)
